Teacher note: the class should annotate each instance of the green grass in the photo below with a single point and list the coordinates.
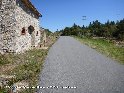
(32, 65)
(29, 65)
(106, 47)
(6, 59)
(29, 71)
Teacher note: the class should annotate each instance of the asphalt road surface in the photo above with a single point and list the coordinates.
(72, 67)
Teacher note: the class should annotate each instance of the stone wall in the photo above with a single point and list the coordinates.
(7, 26)
(14, 17)
(25, 19)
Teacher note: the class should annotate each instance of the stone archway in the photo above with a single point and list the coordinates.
(31, 32)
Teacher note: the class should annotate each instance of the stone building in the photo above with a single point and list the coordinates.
(19, 26)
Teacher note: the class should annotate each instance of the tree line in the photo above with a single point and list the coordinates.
(109, 30)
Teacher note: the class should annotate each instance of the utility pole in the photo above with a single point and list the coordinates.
(84, 18)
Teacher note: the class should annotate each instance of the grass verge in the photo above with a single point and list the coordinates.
(26, 66)
(104, 46)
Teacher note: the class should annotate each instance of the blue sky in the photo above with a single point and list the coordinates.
(58, 14)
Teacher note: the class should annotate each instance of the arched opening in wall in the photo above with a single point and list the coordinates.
(31, 32)
(23, 32)
(30, 29)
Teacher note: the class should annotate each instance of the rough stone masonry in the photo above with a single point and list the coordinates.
(19, 26)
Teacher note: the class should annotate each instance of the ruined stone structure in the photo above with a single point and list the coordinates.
(19, 26)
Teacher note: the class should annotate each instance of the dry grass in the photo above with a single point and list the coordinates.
(26, 66)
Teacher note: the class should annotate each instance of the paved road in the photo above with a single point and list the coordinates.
(82, 69)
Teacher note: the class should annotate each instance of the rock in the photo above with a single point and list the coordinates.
(7, 76)
(4, 79)
(19, 86)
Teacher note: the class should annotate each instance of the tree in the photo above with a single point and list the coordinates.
(109, 30)
(120, 30)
